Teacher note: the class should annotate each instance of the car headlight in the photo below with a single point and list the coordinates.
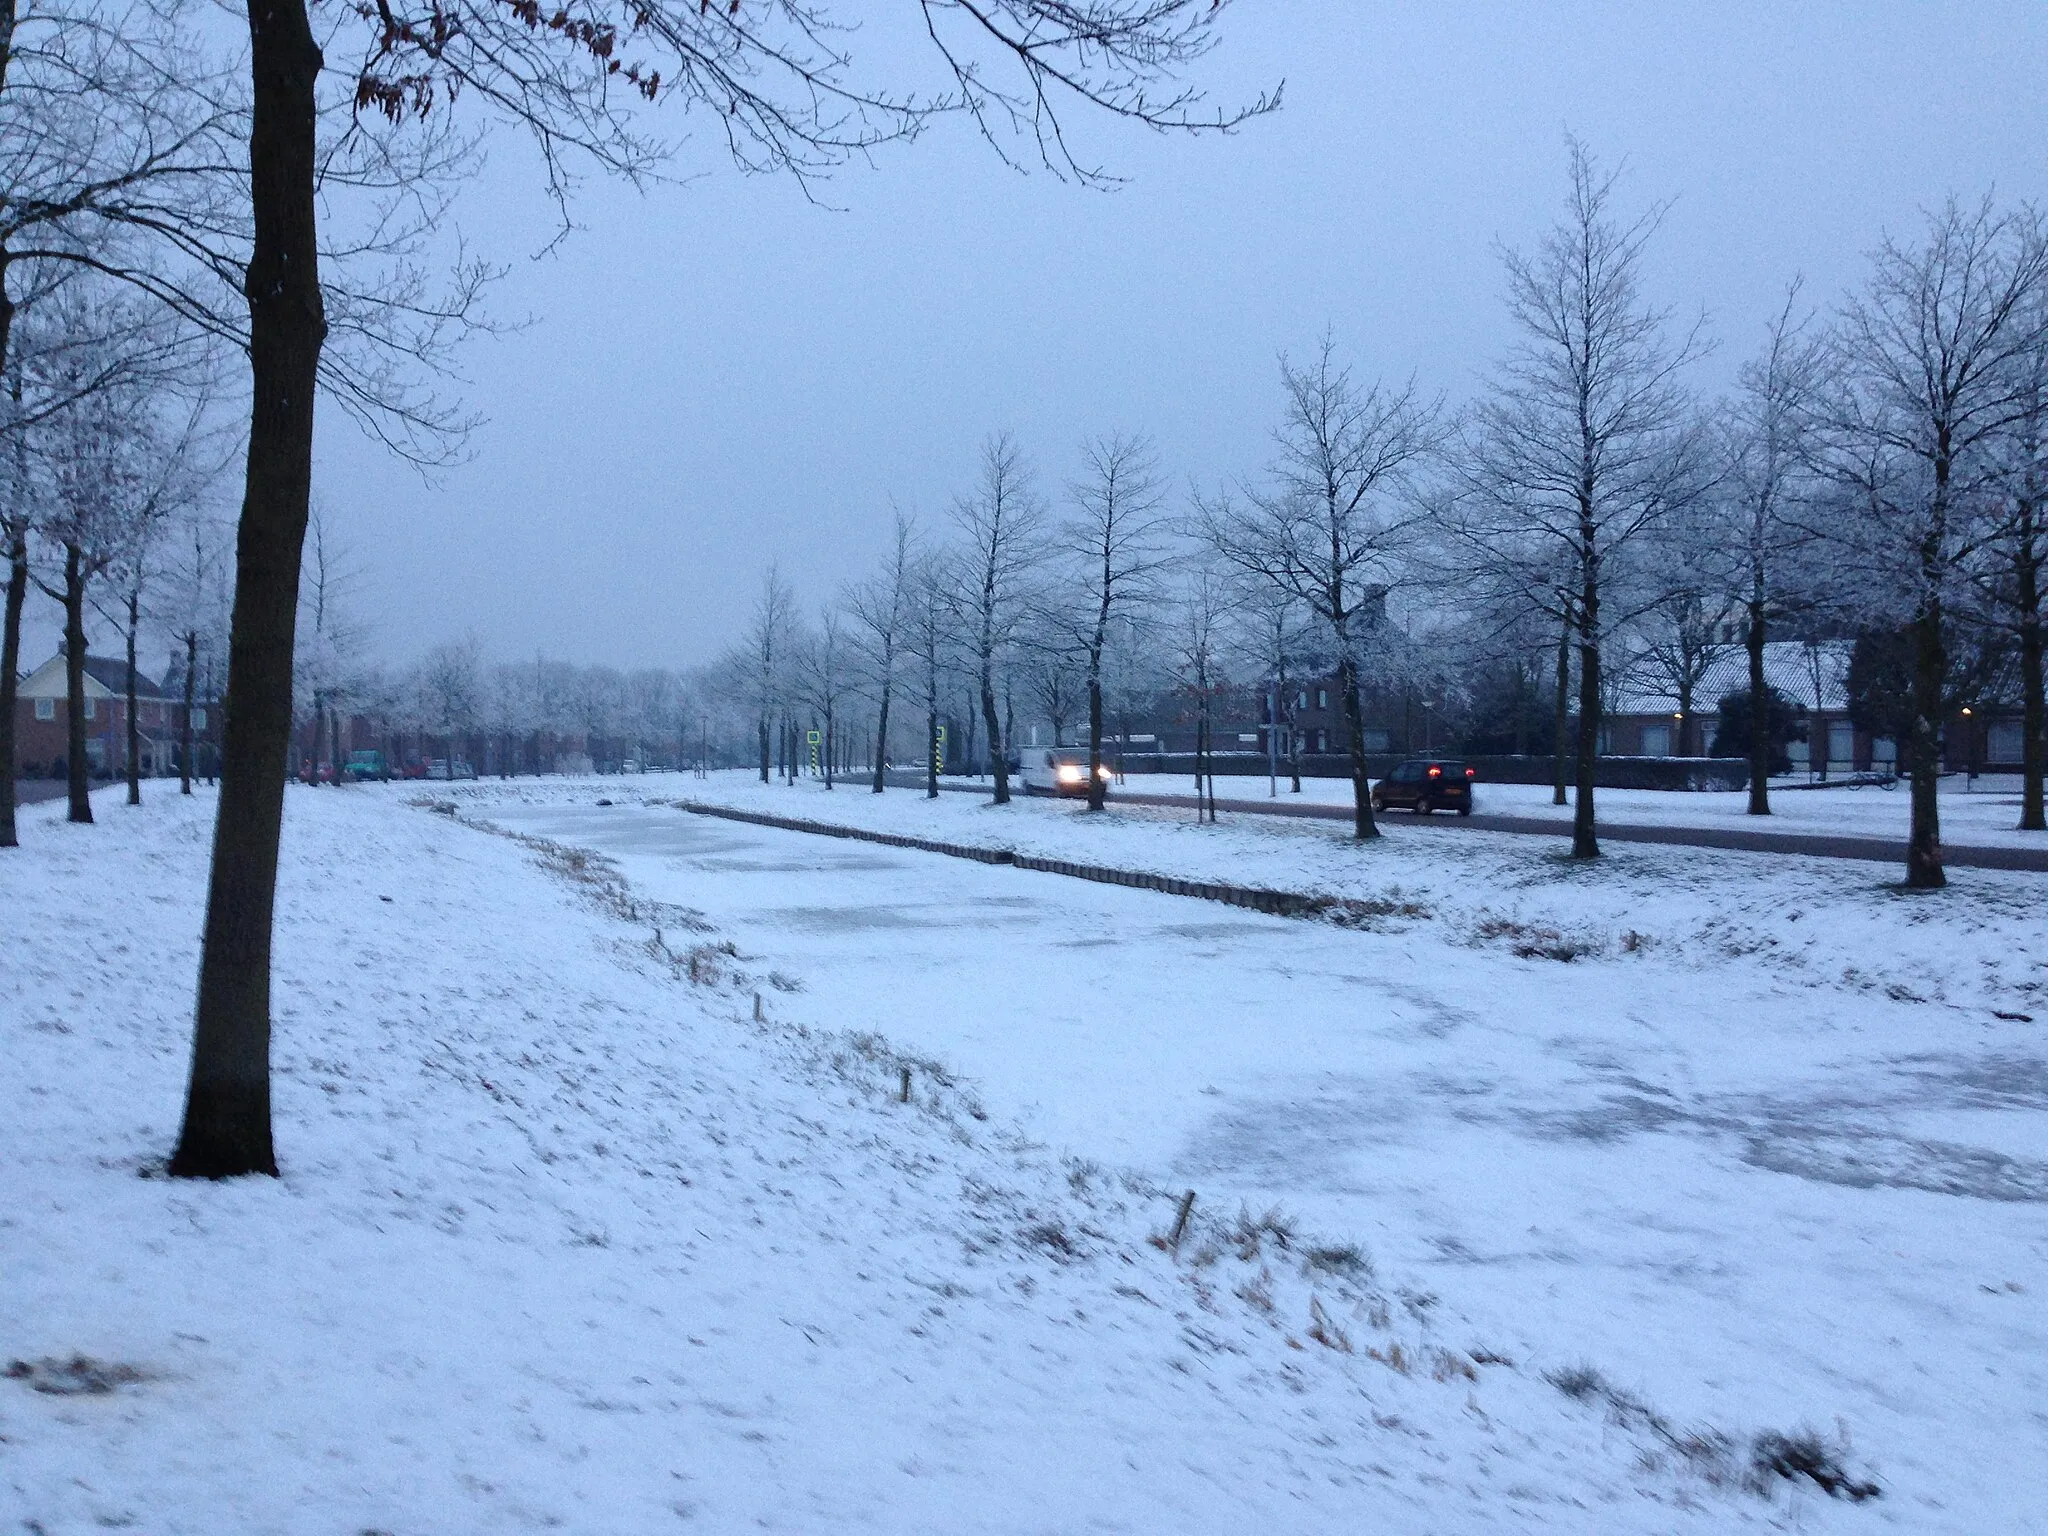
(1069, 774)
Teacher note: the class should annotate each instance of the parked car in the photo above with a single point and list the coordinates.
(365, 764)
(414, 770)
(442, 768)
(1057, 770)
(1425, 784)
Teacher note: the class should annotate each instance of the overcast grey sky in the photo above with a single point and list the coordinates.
(720, 374)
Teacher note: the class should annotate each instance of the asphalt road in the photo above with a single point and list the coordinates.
(1880, 850)
(34, 791)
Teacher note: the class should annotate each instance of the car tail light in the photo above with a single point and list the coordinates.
(1435, 772)
(1471, 773)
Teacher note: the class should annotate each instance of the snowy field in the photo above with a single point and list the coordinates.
(1983, 814)
(566, 1240)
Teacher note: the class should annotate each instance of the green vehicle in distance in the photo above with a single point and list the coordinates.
(367, 763)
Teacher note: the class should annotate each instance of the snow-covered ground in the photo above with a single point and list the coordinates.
(567, 1240)
(1980, 814)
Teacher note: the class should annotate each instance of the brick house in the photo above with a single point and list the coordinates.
(40, 726)
(1644, 718)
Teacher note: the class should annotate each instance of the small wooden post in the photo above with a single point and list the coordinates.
(759, 1016)
(903, 1093)
(1180, 1221)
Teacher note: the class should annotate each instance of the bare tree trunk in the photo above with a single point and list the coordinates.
(74, 687)
(185, 721)
(1759, 715)
(1584, 844)
(1930, 669)
(227, 1127)
(1564, 707)
(761, 725)
(2033, 710)
(10, 664)
(1098, 791)
(1363, 827)
(992, 723)
(882, 739)
(134, 724)
(931, 742)
(17, 543)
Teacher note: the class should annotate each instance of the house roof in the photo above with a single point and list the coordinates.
(1812, 675)
(106, 677)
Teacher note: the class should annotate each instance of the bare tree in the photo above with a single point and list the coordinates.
(195, 610)
(171, 473)
(1686, 612)
(1588, 439)
(1001, 525)
(1331, 523)
(928, 638)
(450, 688)
(822, 678)
(1275, 632)
(105, 469)
(2008, 581)
(1115, 537)
(1933, 364)
(1197, 636)
(767, 659)
(880, 610)
(329, 648)
(1763, 500)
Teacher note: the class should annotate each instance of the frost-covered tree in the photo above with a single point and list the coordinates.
(1587, 440)
(879, 613)
(2009, 579)
(1332, 519)
(1000, 528)
(1931, 367)
(930, 640)
(1114, 547)
(1764, 503)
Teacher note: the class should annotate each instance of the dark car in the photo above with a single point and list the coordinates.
(1425, 784)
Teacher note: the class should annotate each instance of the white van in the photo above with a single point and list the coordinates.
(1058, 771)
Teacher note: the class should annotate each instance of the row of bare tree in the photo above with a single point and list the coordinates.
(1880, 467)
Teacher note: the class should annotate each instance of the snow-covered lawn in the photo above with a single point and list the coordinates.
(566, 1240)
(1980, 815)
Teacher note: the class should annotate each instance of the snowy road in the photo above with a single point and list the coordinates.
(1751, 1202)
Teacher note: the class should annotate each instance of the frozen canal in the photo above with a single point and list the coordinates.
(1754, 1203)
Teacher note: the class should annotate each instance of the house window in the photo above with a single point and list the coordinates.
(90, 712)
(1841, 745)
(198, 719)
(1378, 741)
(1656, 741)
(46, 709)
(1322, 698)
(2003, 742)
(1301, 699)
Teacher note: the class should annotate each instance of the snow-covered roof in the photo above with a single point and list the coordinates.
(1813, 674)
(105, 678)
